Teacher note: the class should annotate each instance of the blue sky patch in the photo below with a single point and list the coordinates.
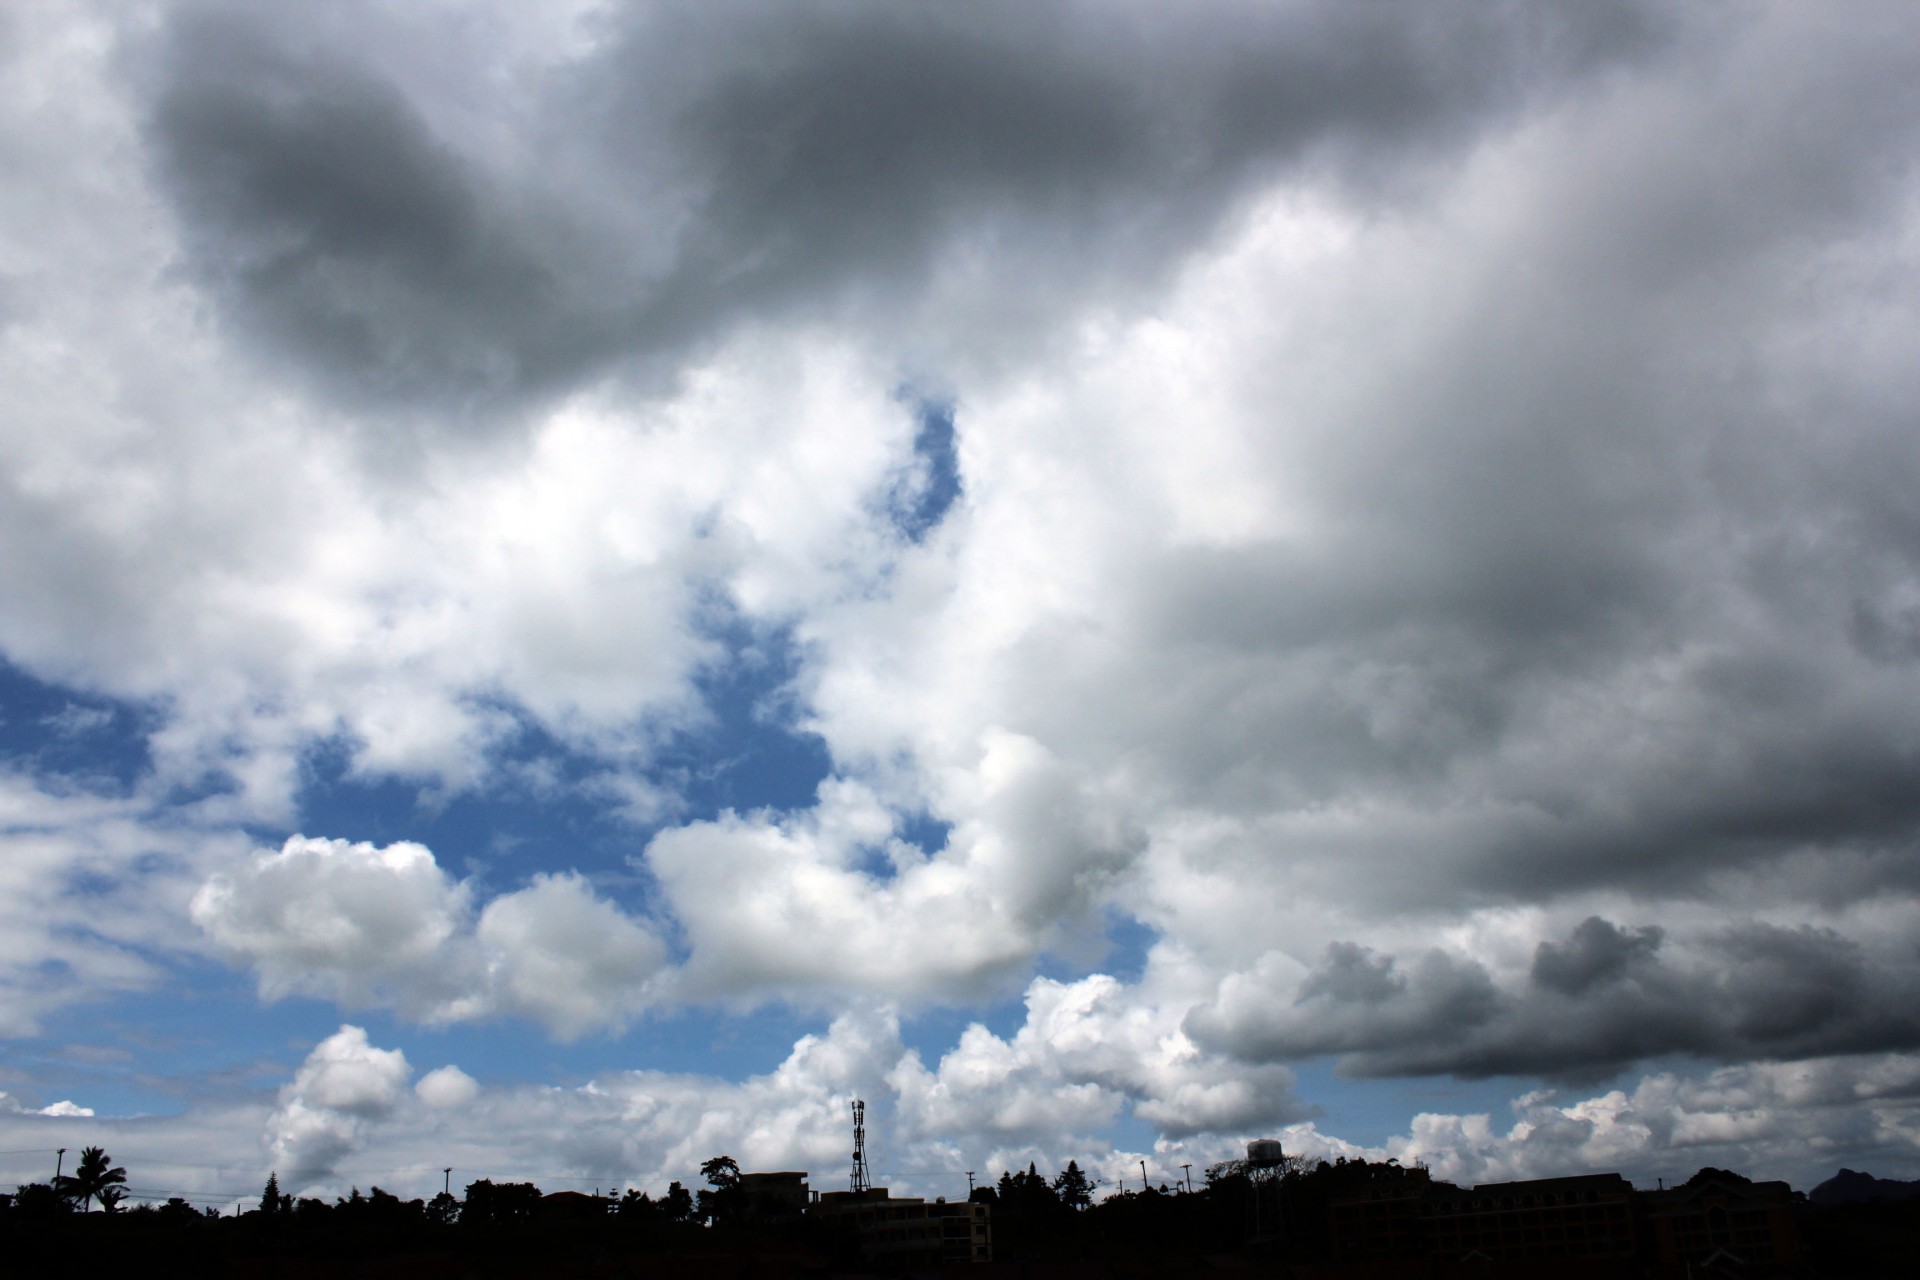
(924, 497)
(49, 731)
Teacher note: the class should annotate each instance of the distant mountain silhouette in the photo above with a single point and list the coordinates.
(1851, 1187)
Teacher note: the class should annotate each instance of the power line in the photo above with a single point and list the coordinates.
(149, 1195)
(188, 1195)
(474, 1175)
(354, 1176)
(124, 1160)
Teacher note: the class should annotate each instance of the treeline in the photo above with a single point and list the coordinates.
(1280, 1212)
(492, 1227)
(1240, 1208)
(1033, 1218)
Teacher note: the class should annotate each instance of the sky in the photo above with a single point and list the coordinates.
(583, 583)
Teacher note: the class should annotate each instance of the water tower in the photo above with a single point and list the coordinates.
(1266, 1166)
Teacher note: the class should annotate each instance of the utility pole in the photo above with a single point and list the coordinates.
(969, 1184)
(59, 1158)
(1143, 1177)
(1188, 1170)
(446, 1181)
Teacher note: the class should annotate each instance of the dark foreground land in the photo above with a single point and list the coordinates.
(1347, 1221)
(1869, 1241)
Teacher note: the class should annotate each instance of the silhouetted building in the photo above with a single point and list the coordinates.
(774, 1195)
(572, 1206)
(1592, 1224)
(1382, 1219)
(1590, 1216)
(1727, 1224)
(910, 1232)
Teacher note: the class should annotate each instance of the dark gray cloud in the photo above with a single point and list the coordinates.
(1602, 1000)
(319, 207)
(704, 166)
(1599, 952)
(1613, 577)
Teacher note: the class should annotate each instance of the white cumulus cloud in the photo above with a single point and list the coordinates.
(345, 1085)
(447, 1087)
(386, 925)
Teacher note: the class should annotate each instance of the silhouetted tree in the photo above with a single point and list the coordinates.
(497, 1204)
(94, 1174)
(383, 1211)
(443, 1210)
(1028, 1219)
(678, 1203)
(36, 1200)
(178, 1212)
(270, 1196)
(1027, 1194)
(723, 1203)
(1072, 1187)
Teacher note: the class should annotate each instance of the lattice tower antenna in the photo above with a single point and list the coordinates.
(860, 1180)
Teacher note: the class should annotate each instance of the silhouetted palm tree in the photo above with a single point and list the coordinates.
(94, 1175)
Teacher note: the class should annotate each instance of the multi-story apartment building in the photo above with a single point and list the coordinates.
(910, 1232)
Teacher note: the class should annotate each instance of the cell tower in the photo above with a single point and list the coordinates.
(860, 1179)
